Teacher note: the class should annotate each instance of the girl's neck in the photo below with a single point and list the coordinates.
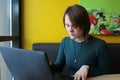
(80, 39)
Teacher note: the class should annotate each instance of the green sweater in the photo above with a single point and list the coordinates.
(74, 55)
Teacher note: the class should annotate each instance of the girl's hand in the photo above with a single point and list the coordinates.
(82, 73)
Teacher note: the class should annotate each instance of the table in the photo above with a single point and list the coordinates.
(106, 77)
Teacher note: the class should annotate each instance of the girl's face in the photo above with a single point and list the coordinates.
(73, 31)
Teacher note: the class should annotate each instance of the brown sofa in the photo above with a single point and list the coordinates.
(52, 49)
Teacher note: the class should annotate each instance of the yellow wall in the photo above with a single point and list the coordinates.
(42, 22)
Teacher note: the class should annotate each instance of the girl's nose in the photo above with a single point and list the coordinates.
(71, 29)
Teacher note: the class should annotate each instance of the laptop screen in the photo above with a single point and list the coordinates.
(4, 71)
(27, 64)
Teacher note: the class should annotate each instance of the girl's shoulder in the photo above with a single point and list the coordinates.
(66, 39)
(97, 40)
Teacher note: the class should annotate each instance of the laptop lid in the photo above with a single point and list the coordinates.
(26, 64)
(4, 71)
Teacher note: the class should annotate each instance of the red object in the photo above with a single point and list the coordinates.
(93, 19)
(105, 31)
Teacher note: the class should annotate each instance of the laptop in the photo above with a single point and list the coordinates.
(26, 64)
(4, 71)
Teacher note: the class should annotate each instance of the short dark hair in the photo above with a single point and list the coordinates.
(79, 17)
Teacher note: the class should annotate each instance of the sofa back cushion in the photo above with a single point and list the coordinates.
(114, 52)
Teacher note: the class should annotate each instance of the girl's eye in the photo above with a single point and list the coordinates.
(67, 25)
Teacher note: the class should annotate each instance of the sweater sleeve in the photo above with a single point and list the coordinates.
(60, 61)
(103, 62)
